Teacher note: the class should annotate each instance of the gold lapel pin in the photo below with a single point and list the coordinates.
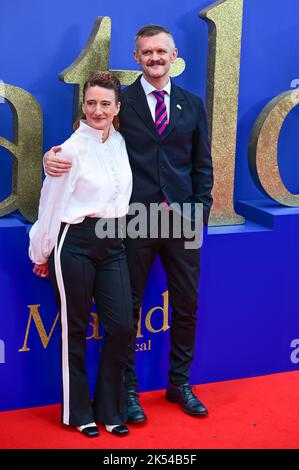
(179, 106)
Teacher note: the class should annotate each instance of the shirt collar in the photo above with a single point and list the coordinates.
(90, 132)
(149, 88)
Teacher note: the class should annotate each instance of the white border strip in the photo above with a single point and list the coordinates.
(63, 313)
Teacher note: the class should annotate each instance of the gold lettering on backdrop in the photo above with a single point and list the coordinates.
(164, 310)
(144, 346)
(263, 148)
(223, 75)
(26, 152)
(95, 325)
(35, 315)
(139, 334)
(148, 317)
(95, 56)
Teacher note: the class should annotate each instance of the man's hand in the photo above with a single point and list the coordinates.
(56, 166)
(41, 270)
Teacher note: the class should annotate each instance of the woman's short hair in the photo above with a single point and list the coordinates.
(104, 79)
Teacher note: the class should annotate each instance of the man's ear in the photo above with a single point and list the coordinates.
(174, 54)
(136, 57)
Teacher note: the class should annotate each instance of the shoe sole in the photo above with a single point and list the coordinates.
(173, 400)
(136, 421)
(90, 436)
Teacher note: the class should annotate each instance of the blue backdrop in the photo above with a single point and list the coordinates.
(248, 315)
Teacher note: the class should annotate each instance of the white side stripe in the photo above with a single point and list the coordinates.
(63, 313)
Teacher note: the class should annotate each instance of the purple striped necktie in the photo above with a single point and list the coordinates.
(161, 121)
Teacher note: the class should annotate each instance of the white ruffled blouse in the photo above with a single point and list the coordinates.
(99, 184)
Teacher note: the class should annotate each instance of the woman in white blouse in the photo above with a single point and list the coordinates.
(64, 244)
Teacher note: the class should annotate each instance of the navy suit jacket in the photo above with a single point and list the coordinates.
(177, 167)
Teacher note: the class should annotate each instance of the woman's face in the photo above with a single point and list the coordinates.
(100, 107)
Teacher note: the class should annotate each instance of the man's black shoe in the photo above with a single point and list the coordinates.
(135, 411)
(184, 395)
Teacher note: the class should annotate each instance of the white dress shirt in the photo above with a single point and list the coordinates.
(151, 100)
(99, 184)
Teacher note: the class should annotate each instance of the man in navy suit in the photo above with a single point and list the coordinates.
(168, 146)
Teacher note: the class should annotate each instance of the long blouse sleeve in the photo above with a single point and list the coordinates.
(55, 194)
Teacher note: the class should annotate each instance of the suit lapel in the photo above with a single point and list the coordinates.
(138, 101)
(176, 108)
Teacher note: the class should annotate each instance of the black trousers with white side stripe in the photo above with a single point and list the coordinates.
(81, 266)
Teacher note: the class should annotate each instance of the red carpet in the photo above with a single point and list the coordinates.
(256, 413)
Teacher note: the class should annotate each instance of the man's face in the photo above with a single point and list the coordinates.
(155, 54)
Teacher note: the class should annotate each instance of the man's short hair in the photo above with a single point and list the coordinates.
(153, 30)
